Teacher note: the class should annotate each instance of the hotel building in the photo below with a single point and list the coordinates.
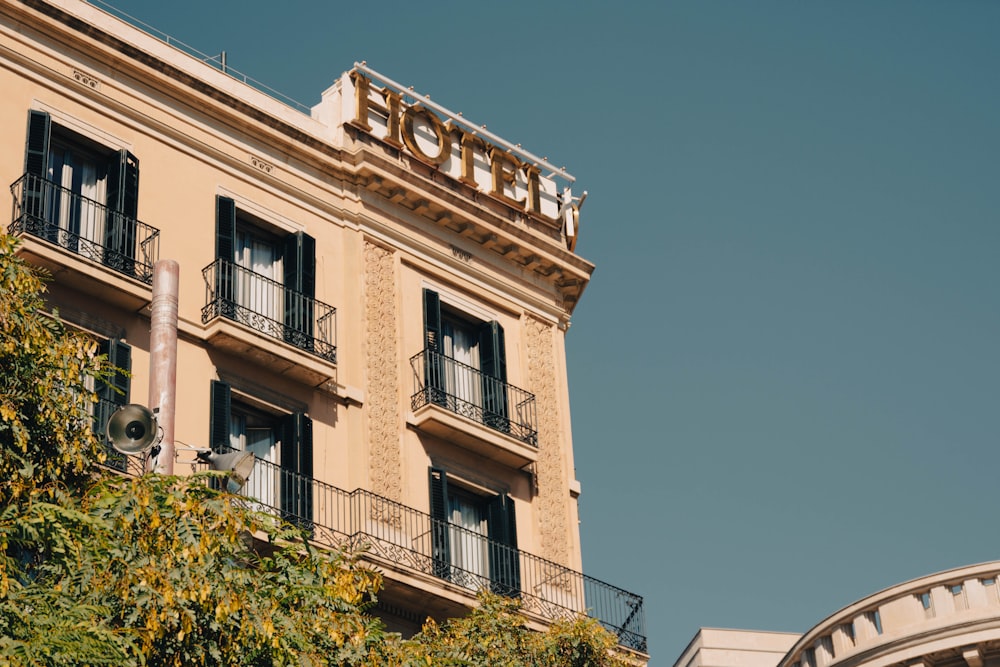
(372, 294)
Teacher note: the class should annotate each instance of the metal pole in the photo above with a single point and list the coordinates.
(163, 358)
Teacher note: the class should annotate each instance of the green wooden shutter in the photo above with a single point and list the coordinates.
(112, 395)
(220, 416)
(432, 321)
(493, 364)
(440, 543)
(297, 468)
(492, 350)
(505, 566)
(126, 199)
(299, 265)
(36, 153)
(434, 385)
(225, 228)
(116, 391)
(36, 169)
(225, 255)
(122, 208)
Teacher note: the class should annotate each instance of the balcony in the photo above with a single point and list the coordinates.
(247, 311)
(82, 227)
(399, 538)
(462, 404)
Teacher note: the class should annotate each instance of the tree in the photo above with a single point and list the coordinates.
(164, 570)
(100, 569)
(496, 634)
(45, 424)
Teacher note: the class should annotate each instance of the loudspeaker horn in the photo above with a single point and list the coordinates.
(239, 465)
(132, 429)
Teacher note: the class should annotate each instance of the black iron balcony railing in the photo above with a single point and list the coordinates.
(363, 522)
(386, 530)
(269, 307)
(467, 391)
(84, 226)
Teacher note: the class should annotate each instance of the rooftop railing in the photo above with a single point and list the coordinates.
(467, 391)
(217, 61)
(270, 308)
(84, 226)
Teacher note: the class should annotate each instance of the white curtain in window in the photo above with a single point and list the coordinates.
(92, 216)
(261, 261)
(462, 345)
(468, 547)
(84, 189)
(262, 484)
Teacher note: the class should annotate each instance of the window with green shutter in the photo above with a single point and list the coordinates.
(80, 194)
(112, 394)
(465, 365)
(473, 537)
(264, 272)
(282, 442)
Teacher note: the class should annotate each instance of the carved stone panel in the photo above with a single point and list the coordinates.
(553, 497)
(382, 370)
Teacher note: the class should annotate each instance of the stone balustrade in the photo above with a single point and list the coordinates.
(937, 619)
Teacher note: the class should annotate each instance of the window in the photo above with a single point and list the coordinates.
(460, 341)
(113, 395)
(474, 537)
(264, 278)
(282, 442)
(466, 365)
(80, 194)
(467, 515)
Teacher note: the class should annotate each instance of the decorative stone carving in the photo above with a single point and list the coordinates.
(88, 80)
(382, 403)
(261, 164)
(553, 496)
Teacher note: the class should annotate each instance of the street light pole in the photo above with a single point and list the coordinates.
(163, 358)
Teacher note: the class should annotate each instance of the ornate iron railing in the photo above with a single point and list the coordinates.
(363, 522)
(389, 531)
(269, 307)
(469, 392)
(84, 226)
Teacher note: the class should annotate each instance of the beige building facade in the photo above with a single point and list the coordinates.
(720, 647)
(373, 297)
(947, 619)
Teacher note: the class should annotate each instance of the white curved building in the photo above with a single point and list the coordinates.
(947, 619)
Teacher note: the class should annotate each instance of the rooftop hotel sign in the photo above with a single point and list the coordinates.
(450, 144)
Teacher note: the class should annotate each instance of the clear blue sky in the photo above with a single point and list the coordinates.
(785, 374)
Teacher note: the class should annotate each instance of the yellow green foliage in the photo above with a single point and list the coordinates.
(45, 423)
(98, 569)
(496, 634)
